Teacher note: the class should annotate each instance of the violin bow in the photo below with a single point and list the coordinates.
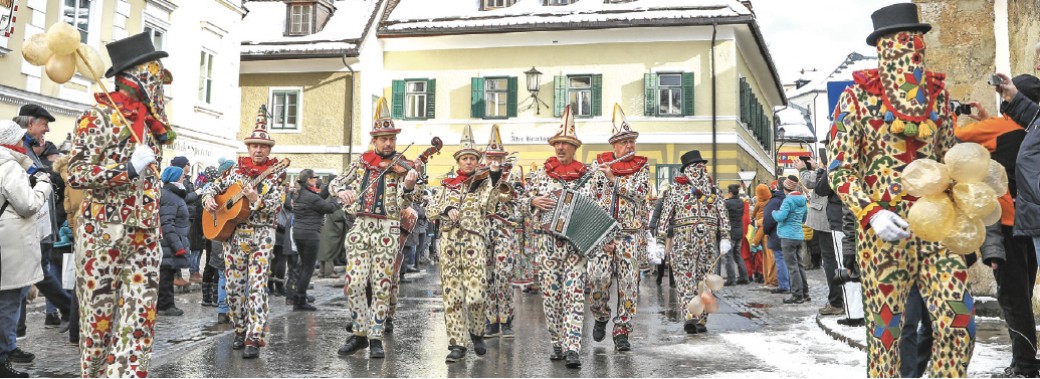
(387, 169)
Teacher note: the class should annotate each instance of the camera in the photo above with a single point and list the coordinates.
(995, 80)
(960, 108)
(844, 275)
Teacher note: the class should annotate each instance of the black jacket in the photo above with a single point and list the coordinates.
(173, 213)
(735, 210)
(834, 204)
(769, 223)
(309, 212)
(1021, 109)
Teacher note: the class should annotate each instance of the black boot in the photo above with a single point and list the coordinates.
(701, 328)
(353, 344)
(222, 318)
(20, 356)
(671, 277)
(621, 343)
(557, 354)
(478, 344)
(455, 354)
(388, 325)
(302, 305)
(375, 349)
(251, 352)
(207, 297)
(7, 371)
(239, 344)
(599, 331)
(572, 359)
(690, 326)
(660, 273)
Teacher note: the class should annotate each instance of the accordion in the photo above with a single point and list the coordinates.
(577, 219)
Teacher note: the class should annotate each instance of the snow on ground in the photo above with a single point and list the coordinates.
(800, 350)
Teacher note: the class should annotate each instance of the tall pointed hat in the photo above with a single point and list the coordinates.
(467, 145)
(382, 124)
(494, 147)
(622, 130)
(566, 132)
(260, 134)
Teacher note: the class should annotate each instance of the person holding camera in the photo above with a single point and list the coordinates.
(817, 219)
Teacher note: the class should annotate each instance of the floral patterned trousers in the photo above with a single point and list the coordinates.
(562, 275)
(623, 261)
(246, 262)
(463, 284)
(117, 272)
(500, 255)
(372, 247)
(694, 253)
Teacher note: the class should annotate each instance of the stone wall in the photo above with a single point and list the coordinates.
(961, 45)
(1024, 24)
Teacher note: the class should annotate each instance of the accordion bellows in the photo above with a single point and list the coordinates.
(578, 219)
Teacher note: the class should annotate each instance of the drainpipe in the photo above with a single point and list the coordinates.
(350, 118)
(714, 110)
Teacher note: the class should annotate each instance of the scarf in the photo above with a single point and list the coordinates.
(460, 177)
(20, 149)
(622, 168)
(248, 168)
(565, 172)
(136, 113)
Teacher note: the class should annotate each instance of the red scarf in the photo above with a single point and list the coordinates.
(248, 168)
(135, 112)
(565, 172)
(622, 168)
(457, 180)
(372, 160)
(682, 180)
(313, 188)
(20, 149)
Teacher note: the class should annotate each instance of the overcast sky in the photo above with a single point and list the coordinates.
(815, 33)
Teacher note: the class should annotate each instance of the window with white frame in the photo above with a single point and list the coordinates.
(493, 4)
(558, 2)
(285, 108)
(300, 19)
(206, 77)
(579, 92)
(415, 99)
(669, 88)
(158, 36)
(77, 13)
(496, 97)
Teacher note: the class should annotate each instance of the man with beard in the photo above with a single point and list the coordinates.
(117, 238)
(461, 204)
(698, 220)
(247, 253)
(502, 246)
(373, 243)
(621, 186)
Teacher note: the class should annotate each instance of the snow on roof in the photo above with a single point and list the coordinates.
(796, 123)
(265, 24)
(843, 72)
(423, 14)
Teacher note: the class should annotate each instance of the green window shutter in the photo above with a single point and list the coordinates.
(597, 95)
(431, 97)
(511, 98)
(687, 94)
(743, 100)
(477, 103)
(560, 95)
(397, 100)
(650, 101)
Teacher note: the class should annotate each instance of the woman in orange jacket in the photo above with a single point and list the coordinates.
(762, 196)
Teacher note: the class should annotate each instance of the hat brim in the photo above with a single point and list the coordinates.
(112, 71)
(623, 136)
(875, 35)
(495, 153)
(462, 152)
(683, 168)
(571, 140)
(267, 142)
(384, 132)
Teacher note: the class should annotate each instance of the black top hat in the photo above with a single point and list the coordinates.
(34, 110)
(691, 157)
(131, 51)
(896, 18)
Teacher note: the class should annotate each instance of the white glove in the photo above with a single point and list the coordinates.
(143, 156)
(725, 246)
(889, 226)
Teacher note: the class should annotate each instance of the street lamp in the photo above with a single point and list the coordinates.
(776, 152)
(533, 80)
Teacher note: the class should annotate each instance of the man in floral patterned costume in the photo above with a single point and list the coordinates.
(561, 267)
(699, 226)
(887, 119)
(502, 246)
(247, 253)
(621, 189)
(373, 243)
(117, 239)
(461, 204)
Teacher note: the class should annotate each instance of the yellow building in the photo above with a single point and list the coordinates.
(689, 74)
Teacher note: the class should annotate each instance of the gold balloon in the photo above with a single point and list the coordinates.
(975, 200)
(994, 216)
(968, 162)
(997, 178)
(62, 38)
(35, 50)
(925, 177)
(715, 282)
(967, 236)
(60, 68)
(931, 217)
(92, 58)
(711, 304)
(696, 307)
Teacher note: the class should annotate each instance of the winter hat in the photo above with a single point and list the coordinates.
(567, 130)
(10, 133)
(180, 161)
(260, 135)
(791, 183)
(172, 174)
(1029, 86)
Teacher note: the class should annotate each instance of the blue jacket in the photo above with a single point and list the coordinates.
(791, 216)
(768, 223)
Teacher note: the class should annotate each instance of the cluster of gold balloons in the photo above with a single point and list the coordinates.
(706, 301)
(957, 200)
(57, 50)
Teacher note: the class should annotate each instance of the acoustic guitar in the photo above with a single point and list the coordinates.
(231, 210)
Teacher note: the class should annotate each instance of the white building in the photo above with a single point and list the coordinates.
(812, 95)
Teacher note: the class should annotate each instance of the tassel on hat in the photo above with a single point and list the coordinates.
(467, 145)
(260, 134)
(622, 130)
(567, 130)
(494, 147)
(382, 123)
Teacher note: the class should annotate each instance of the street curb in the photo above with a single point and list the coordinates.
(838, 336)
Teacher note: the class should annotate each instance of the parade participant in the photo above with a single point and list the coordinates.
(698, 218)
(248, 252)
(621, 189)
(117, 237)
(561, 267)
(377, 189)
(461, 204)
(903, 113)
(502, 246)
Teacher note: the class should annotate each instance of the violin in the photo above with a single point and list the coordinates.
(402, 166)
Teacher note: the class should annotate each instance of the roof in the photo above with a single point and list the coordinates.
(467, 14)
(342, 33)
(796, 123)
(843, 72)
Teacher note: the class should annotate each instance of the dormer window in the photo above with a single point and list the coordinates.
(495, 4)
(560, 2)
(301, 19)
